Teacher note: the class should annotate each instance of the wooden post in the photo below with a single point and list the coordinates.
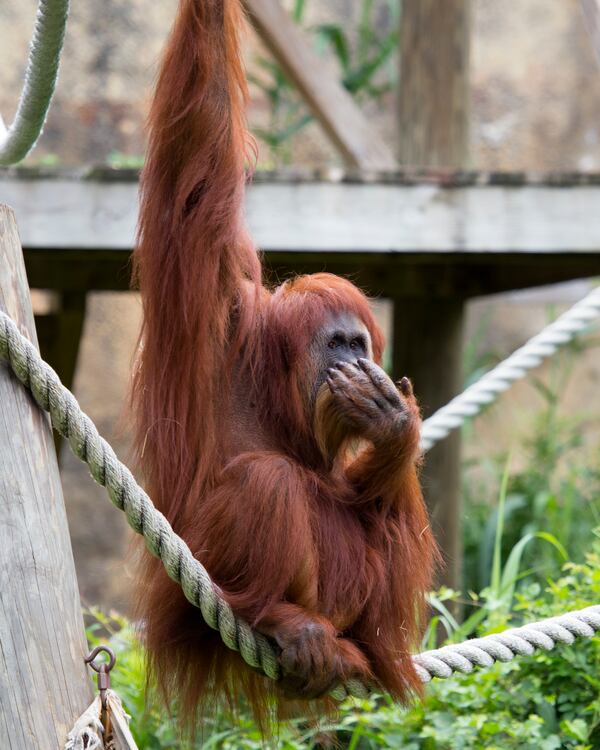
(428, 348)
(433, 132)
(59, 333)
(349, 130)
(44, 685)
(433, 98)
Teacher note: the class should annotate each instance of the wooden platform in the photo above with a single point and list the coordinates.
(460, 234)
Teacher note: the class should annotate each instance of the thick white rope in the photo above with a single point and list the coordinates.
(40, 81)
(124, 492)
(523, 641)
(484, 391)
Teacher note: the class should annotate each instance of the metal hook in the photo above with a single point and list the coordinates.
(112, 659)
(103, 670)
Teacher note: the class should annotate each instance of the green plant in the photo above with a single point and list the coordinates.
(550, 700)
(556, 492)
(494, 603)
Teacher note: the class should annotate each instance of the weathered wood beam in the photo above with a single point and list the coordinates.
(44, 685)
(351, 133)
(407, 274)
(431, 216)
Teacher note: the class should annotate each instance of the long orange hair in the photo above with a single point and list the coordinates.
(254, 517)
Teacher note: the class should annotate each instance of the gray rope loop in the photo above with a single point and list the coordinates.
(257, 650)
(40, 81)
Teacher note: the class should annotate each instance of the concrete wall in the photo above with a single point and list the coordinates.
(535, 82)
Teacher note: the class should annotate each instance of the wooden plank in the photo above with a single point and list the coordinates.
(44, 684)
(350, 131)
(313, 216)
(433, 100)
(438, 277)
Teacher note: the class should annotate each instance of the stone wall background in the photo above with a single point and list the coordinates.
(535, 106)
(535, 82)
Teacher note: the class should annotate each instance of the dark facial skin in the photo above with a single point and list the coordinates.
(344, 338)
(363, 393)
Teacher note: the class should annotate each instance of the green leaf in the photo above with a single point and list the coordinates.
(359, 78)
(510, 573)
(334, 36)
(497, 559)
(298, 10)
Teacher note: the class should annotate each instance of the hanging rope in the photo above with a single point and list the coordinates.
(257, 650)
(484, 391)
(40, 80)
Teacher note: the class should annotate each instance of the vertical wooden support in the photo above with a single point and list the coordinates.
(433, 131)
(433, 101)
(44, 684)
(59, 334)
(428, 348)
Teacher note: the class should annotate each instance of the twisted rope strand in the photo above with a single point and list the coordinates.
(523, 641)
(484, 391)
(40, 81)
(257, 650)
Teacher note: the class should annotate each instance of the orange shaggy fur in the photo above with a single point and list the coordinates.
(228, 439)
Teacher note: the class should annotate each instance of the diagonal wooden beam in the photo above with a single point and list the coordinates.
(352, 134)
(591, 13)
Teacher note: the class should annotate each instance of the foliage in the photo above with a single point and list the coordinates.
(364, 56)
(556, 491)
(550, 700)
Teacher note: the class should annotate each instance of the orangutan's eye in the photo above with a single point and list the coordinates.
(332, 344)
